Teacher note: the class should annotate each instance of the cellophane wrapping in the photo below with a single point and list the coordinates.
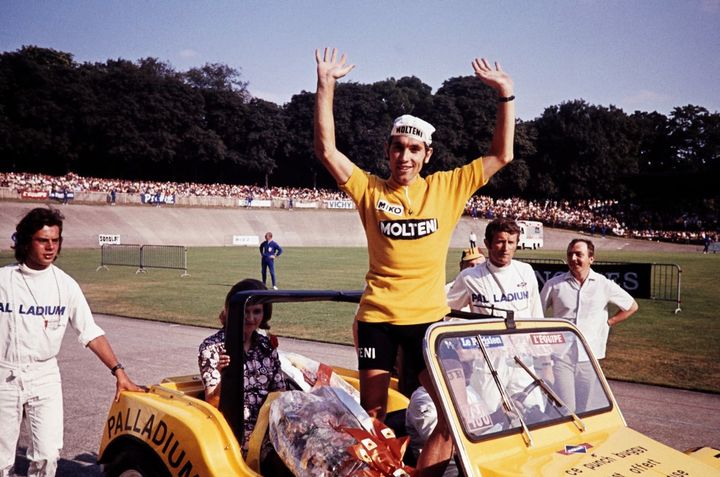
(306, 430)
(304, 372)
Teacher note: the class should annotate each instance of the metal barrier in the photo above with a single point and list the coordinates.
(664, 281)
(533, 261)
(666, 278)
(144, 256)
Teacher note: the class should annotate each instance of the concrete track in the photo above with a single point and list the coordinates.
(196, 227)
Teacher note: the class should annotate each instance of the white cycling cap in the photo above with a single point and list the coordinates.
(407, 125)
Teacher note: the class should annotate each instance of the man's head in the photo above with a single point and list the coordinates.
(501, 238)
(268, 236)
(38, 238)
(580, 256)
(408, 148)
(471, 257)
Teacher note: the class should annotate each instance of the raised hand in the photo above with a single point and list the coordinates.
(495, 78)
(329, 67)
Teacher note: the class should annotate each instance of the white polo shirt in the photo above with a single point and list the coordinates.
(513, 287)
(586, 305)
(35, 308)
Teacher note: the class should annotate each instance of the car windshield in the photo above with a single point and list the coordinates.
(505, 381)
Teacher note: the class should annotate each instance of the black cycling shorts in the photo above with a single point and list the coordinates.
(378, 346)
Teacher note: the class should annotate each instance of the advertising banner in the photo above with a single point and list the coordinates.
(298, 204)
(34, 194)
(62, 196)
(246, 240)
(255, 202)
(157, 199)
(634, 278)
(109, 239)
(339, 204)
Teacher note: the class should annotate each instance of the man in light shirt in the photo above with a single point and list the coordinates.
(500, 281)
(37, 302)
(582, 296)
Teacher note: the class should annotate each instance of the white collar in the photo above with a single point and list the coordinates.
(495, 269)
(32, 272)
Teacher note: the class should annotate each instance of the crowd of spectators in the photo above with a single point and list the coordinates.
(601, 217)
(40, 182)
(590, 216)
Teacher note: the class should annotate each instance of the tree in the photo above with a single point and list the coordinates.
(362, 124)
(40, 93)
(217, 77)
(264, 137)
(141, 115)
(583, 152)
(463, 111)
(513, 179)
(693, 138)
(679, 156)
(297, 165)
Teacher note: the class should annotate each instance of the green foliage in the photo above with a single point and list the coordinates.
(583, 151)
(144, 120)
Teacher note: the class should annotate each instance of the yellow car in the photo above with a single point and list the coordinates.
(522, 397)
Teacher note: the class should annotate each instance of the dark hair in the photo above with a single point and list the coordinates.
(501, 225)
(390, 138)
(33, 221)
(588, 242)
(252, 284)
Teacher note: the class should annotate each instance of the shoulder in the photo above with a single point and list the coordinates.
(218, 337)
(600, 278)
(60, 273)
(477, 271)
(524, 267)
(557, 280)
(358, 183)
(66, 279)
(610, 285)
(471, 170)
(8, 269)
(358, 175)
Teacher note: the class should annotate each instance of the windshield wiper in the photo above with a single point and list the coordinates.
(507, 404)
(554, 398)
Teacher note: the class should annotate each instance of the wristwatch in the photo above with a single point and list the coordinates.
(114, 369)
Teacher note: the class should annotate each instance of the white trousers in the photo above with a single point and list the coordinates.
(34, 389)
(577, 384)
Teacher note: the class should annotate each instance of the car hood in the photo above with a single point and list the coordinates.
(624, 452)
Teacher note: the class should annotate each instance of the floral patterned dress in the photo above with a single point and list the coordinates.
(262, 373)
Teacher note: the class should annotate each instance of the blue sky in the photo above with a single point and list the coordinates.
(650, 55)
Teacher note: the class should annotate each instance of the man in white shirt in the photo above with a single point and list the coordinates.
(582, 296)
(501, 281)
(37, 302)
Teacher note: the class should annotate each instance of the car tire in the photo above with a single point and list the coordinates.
(136, 461)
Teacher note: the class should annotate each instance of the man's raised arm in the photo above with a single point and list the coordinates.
(501, 148)
(329, 70)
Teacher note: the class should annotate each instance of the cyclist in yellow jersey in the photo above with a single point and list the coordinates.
(408, 221)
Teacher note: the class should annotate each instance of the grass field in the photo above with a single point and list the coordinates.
(655, 346)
